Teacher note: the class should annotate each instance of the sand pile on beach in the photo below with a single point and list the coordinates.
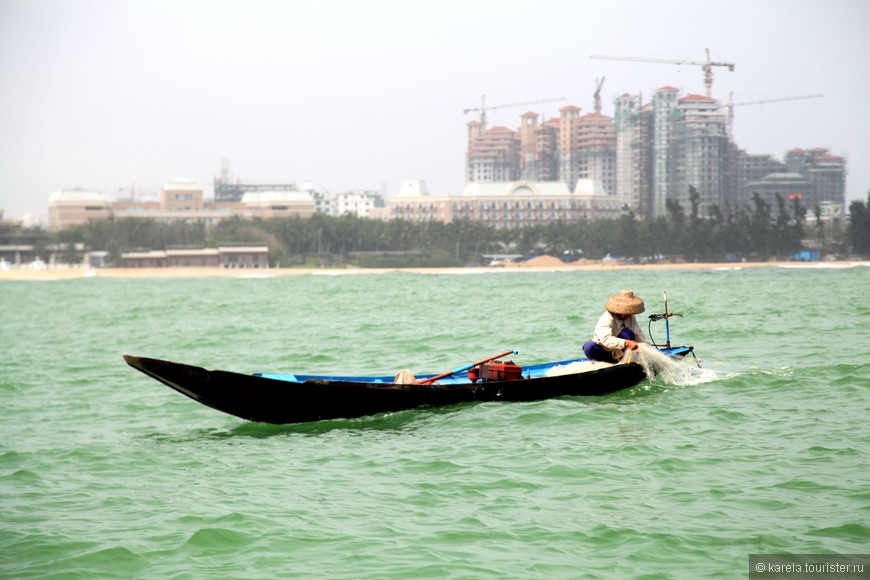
(544, 262)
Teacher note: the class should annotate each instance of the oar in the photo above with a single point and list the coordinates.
(462, 368)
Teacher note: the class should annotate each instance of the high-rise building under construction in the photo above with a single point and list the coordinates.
(632, 152)
(567, 149)
(699, 146)
(653, 153)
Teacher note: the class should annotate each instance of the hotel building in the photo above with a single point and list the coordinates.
(506, 204)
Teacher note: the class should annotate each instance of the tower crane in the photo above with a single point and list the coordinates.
(706, 65)
(483, 108)
(731, 104)
(597, 95)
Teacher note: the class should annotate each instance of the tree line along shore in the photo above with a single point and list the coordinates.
(757, 233)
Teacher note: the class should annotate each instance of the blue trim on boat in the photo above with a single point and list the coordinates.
(534, 371)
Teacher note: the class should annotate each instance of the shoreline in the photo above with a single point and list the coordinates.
(20, 274)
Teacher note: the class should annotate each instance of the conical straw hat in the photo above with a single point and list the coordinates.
(624, 303)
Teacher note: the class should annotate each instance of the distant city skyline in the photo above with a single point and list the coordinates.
(354, 95)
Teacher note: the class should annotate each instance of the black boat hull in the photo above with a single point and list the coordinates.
(268, 400)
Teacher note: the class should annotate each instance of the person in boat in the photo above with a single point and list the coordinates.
(617, 330)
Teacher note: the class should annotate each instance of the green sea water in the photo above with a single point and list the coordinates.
(106, 473)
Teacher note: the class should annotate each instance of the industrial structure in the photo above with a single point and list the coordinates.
(706, 66)
(227, 189)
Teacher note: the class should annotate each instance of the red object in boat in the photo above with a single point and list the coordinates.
(500, 371)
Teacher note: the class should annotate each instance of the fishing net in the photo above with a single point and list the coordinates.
(668, 369)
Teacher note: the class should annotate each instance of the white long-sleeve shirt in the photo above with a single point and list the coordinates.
(607, 329)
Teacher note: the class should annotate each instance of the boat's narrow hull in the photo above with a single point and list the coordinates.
(267, 400)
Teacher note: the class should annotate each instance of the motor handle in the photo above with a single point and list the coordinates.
(655, 317)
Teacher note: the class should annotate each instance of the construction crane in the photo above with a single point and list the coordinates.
(706, 65)
(483, 108)
(731, 104)
(597, 95)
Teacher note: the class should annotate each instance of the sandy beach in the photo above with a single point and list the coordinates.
(537, 265)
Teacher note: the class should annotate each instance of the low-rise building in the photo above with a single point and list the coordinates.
(193, 257)
(276, 204)
(70, 207)
(507, 204)
(248, 256)
(180, 200)
(22, 247)
(359, 203)
(144, 259)
(244, 256)
(788, 186)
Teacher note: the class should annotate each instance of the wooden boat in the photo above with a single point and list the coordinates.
(292, 398)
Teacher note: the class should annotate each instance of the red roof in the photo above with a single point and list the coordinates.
(529, 114)
(667, 88)
(595, 116)
(701, 98)
(569, 108)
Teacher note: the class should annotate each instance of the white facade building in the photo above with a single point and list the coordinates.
(359, 203)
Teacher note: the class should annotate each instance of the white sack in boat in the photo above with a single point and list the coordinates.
(576, 367)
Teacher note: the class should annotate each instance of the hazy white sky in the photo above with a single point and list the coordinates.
(112, 94)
